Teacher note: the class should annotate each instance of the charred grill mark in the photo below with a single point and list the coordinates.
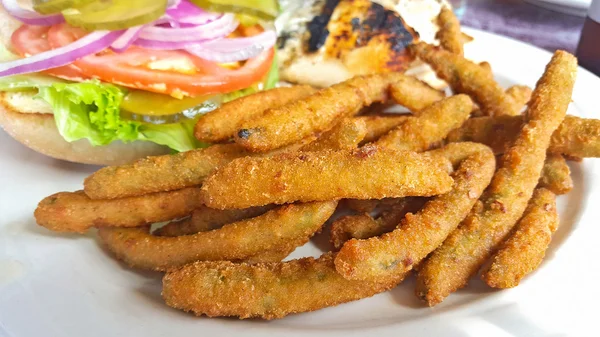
(282, 39)
(317, 27)
(355, 22)
(384, 22)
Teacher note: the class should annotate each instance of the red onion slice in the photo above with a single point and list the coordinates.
(218, 28)
(232, 50)
(92, 43)
(165, 45)
(30, 17)
(186, 12)
(126, 39)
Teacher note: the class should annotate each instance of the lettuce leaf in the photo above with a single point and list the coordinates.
(91, 110)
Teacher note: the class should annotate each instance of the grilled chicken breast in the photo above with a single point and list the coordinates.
(322, 42)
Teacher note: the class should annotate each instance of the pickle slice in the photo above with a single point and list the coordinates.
(55, 6)
(115, 14)
(147, 103)
(265, 9)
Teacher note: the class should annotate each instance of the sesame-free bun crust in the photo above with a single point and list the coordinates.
(38, 132)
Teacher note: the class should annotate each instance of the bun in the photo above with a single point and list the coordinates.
(38, 132)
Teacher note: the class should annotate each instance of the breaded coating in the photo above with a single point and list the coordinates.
(268, 291)
(430, 127)
(414, 94)
(344, 136)
(363, 206)
(556, 175)
(466, 77)
(449, 33)
(366, 173)
(378, 125)
(76, 212)
(524, 250)
(204, 219)
(237, 241)
(159, 173)
(575, 137)
(520, 95)
(316, 113)
(450, 267)
(222, 123)
(486, 66)
(363, 226)
(417, 235)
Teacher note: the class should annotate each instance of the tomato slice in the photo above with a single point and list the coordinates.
(172, 72)
(30, 40)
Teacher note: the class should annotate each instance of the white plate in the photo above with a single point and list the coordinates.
(572, 7)
(66, 285)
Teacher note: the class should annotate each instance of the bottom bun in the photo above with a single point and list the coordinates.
(39, 132)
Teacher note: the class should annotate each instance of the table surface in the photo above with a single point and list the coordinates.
(526, 22)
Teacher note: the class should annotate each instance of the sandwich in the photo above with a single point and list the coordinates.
(107, 82)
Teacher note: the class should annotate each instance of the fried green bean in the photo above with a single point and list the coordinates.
(366, 173)
(450, 266)
(76, 212)
(419, 234)
(378, 125)
(237, 241)
(524, 250)
(520, 95)
(364, 226)
(449, 33)
(222, 123)
(204, 219)
(430, 127)
(466, 77)
(556, 175)
(344, 136)
(314, 114)
(159, 173)
(269, 291)
(575, 137)
(414, 94)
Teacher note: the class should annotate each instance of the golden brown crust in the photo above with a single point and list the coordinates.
(39, 133)
(467, 248)
(204, 219)
(575, 137)
(467, 77)
(314, 114)
(413, 94)
(556, 175)
(221, 124)
(449, 33)
(159, 173)
(419, 234)
(378, 125)
(325, 175)
(524, 250)
(363, 226)
(344, 136)
(76, 212)
(431, 126)
(237, 241)
(270, 290)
